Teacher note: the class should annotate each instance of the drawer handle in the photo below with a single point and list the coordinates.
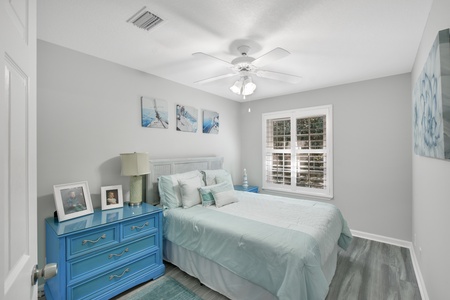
(93, 242)
(120, 254)
(139, 227)
(111, 277)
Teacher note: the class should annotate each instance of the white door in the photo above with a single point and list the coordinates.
(18, 229)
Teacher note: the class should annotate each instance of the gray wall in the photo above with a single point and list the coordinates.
(431, 188)
(372, 149)
(89, 112)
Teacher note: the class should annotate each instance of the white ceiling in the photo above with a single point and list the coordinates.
(331, 42)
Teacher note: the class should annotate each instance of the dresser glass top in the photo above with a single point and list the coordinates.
(100, 217)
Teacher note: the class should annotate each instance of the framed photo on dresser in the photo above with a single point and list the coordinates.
(112, 197)
(72, 200)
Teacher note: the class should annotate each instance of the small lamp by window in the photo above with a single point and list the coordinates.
(135, 165)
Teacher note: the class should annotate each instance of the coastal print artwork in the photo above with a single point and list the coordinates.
(186, 118)
(210, 122)
(155, 113)
(431, 102)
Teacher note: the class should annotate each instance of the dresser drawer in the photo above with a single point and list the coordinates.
(114, 277)
(89, 265)
(139, 227)
(91, 240)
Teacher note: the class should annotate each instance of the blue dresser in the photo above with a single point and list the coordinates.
(105, 253)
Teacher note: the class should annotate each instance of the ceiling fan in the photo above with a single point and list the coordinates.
(245, 66)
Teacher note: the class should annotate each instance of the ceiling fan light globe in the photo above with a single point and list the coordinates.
(235, 89)
(237, 86)
(244, 86)
(248, 89)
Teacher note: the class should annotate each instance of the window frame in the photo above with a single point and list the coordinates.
(307, 112)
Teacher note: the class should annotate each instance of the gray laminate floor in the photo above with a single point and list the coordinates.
(373, 271)
(368, 270)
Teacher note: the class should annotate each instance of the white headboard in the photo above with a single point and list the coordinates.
(159, 167)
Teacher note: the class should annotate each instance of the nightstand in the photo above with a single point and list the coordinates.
(105, 253)
(250, 188)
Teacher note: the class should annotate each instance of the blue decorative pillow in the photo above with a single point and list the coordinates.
(206, 194)
(207, 198)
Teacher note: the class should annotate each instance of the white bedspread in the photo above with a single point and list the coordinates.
(249, 238)
(305, 216)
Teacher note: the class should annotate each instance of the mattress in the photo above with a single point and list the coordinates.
(275, 247)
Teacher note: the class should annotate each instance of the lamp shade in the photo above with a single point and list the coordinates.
(134, 164)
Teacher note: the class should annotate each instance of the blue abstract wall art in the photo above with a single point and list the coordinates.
(210, 122)
(431, 102)
(187, 118)
(155, 113)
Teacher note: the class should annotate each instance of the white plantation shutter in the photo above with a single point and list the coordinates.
(297, 147)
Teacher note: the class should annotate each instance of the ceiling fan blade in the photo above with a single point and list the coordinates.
(271, 56)
(215, 78)
(201, 54)
(278, 76)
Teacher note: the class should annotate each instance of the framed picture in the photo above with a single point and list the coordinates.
(431, 102)
(210, 122)
(186, 118)
(112, 197)
(72, 200)
(155, 113)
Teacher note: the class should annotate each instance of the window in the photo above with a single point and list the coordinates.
(297, 154)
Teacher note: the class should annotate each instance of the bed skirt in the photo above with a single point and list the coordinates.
(224, 281)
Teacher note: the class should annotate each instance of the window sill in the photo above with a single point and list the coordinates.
(304, 196)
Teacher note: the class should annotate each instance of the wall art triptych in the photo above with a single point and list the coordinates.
(155, 114)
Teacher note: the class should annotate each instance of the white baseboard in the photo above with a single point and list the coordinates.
(400, 243)
(382, 239)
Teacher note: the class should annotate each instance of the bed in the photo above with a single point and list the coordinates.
(244, 245)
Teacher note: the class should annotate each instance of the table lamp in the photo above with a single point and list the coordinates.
(135, 165)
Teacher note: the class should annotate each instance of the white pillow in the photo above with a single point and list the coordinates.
(169, 189)
(224, 194)
(210, 175)
(190, 195)
(224, 178)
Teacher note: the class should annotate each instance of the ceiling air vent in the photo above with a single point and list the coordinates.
(145, 19)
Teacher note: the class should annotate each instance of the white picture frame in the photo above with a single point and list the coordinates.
(72, 200)
(112, 197)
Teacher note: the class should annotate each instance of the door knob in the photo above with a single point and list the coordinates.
(48, 271)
